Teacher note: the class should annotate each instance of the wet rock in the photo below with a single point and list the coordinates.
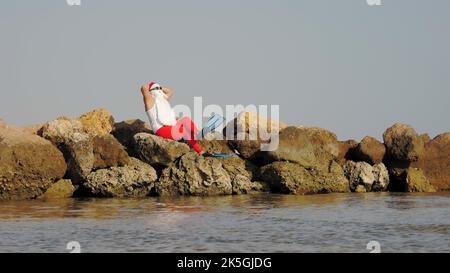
(248, 131)
(292, 178)
(360, 189)
(372, 178)
(98, 122)
(416, 181)
(155, 150)
(29, 165)
(403, 143)
(133, 180)
(108, 152)
(125, 131)
(194, 175)
(370, 150)
(61, 189)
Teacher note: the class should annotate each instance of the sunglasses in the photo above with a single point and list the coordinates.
(156, 88)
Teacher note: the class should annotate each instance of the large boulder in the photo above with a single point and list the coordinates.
(194, 175)
(292, 178)
(370, 150)
(362, 174)
(435, 162)
(403, 143)
(241, 171)
(125, 131)
(248, 131)
(79, 154)
(98, 122)
(416, 181)
(2, 123)
(156, 150)
(133, 180)
(62, 130)
(108, 152)
(61, 189)
(309, 147)
(346, 151)
(29, 165)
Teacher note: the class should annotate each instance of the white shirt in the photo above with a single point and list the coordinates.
(161, 114)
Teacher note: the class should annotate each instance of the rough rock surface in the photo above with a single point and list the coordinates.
(286, 177)
(134, 180)
(346, 151)
(382, 179)
(301, 146)
(370, 150)
(29, 165)
(194, 175)
(248, 131)
(62, 130)
(108, 152)
(435, 162)
(125, 131)
(416, 181)
(98, 122)
(61, 189)
(403, 143)
(372, 178)
(80, 158)
(155, 150)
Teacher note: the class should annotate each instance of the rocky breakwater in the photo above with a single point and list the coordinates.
(93, 155)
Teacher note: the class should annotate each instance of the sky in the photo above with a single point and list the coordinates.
(343, 65)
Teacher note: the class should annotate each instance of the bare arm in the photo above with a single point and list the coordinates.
(168, 91)
(148, 100)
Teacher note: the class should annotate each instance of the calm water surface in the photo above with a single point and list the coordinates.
(251, 223)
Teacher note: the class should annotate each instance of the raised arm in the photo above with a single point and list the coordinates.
(168, 91)
(148, 100)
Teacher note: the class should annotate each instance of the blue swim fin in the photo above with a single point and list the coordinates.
(213, 122)
(218, 155)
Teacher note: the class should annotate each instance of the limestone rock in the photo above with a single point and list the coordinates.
(403, 143)
(372, 178)
(194, 175)
(61, 189)
(248, 131)
(29, 165)
(416, 181)
(108, 152)
(435, 162)
(133, 180)
(98, 122)
(292, 178)
(303, 146)
(62, 130)
(370, 150)
(156, 150)
(125, 131)
(346, 151)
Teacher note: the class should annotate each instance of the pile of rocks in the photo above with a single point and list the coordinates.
(94, 156)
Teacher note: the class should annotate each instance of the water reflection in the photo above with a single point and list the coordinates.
(256, 222)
